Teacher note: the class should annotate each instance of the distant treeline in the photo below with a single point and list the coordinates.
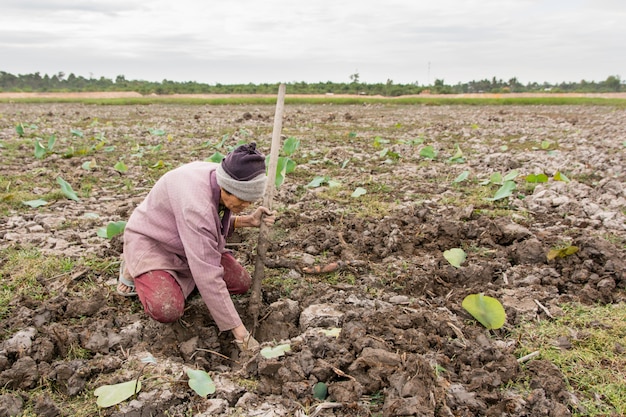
(71, 83)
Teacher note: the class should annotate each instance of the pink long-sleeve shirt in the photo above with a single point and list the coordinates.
(178, 228)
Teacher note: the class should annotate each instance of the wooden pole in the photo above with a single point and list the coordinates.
(270, 187)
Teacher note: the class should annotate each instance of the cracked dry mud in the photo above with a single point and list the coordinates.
(406, 346)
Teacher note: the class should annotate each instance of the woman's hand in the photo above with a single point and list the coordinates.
(244, 340)
(261, 214)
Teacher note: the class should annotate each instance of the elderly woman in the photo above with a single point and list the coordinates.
(175, 239)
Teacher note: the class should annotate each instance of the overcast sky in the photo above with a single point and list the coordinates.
(269, 41)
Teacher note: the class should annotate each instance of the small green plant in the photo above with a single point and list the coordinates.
(41, 150)
(110, 395)
(428, 152)
(20, 128)
(536, 178)
(457, 158)
(157, 132)
(506, 182)
(562, 252)
(318, 181)
(270, 352)
(389, 154)
(216, 157)
(120, 167)
(455, 256)
(320, 391)
(35, 203)
(559, 176)
(285, 164)
(486, 310)
(113, 229)
(358, 192)
(67, 190)
(200, 382)
(461, 177)
(89, 165)
(379, 142)
(497, 179)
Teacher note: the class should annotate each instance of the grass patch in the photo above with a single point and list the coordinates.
(24, 272)
(595, 365)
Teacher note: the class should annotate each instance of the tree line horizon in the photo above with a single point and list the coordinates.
(59, 82)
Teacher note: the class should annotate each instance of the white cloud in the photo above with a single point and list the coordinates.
(280, 40)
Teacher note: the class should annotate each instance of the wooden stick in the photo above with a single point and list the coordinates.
(270, 187)
(528, 357)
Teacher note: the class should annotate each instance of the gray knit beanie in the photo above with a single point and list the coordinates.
(242, 173)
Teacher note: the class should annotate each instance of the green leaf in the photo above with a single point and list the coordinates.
(120, 167)
(290, 166)
(89, 165)
(487, 310)
(334, 183)
(458, 156)
(455, 256)
(157, 132)
(77, 132)
(428, 152)
(535, 178)
(35, 203)
(40, 151)
(270, 352)
(67, 189)
(462, 177)
(510, 176)
(358, 192)
(559, 176)
(379, 142)
(19, 129)
(495, 178)
(320, 391)
(281, 171)
(545, 144)
(317, 182)
(51, 141)
(216, 157)
(503, 192)
(109, 395)
(113, 229)
(200, 382)
(562, 252)
(291, 145)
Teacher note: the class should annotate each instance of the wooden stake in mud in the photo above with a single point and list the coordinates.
(270, 187)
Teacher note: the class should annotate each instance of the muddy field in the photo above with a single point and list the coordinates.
(406, 346)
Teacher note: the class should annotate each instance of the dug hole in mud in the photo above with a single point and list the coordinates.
(406, 346)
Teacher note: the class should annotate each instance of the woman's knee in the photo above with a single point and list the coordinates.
(161, 296)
